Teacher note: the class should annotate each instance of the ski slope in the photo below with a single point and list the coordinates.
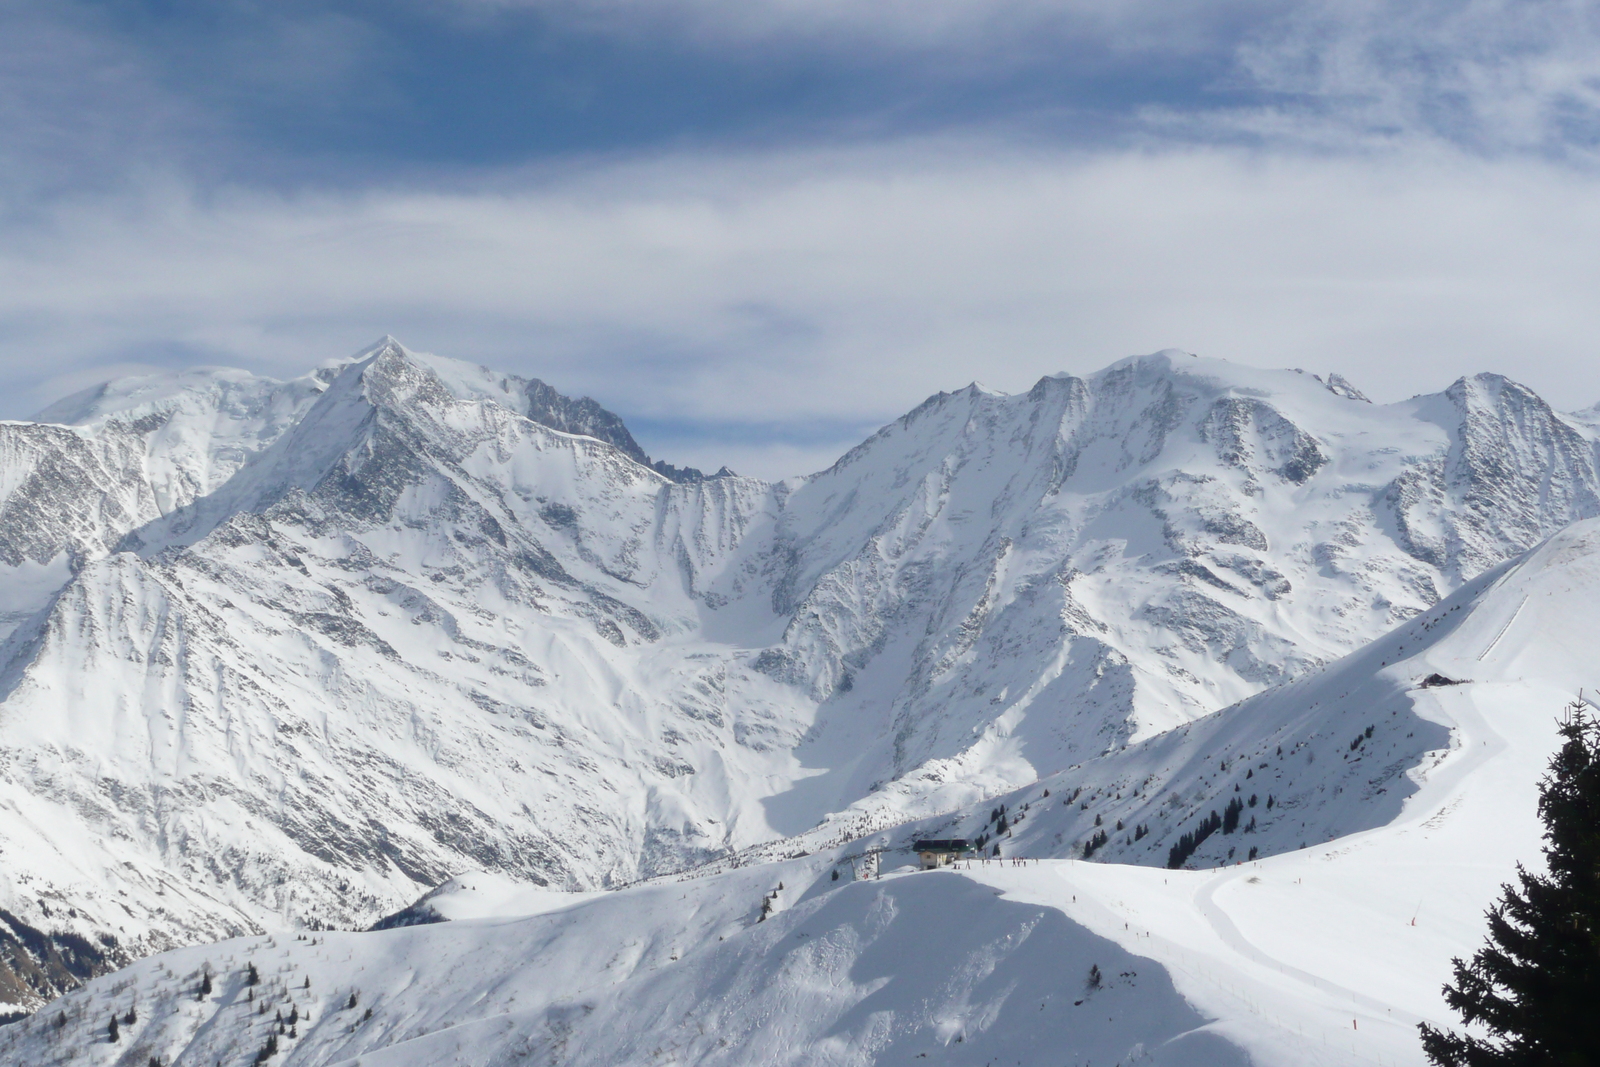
(1323, 955)
(1333, 953)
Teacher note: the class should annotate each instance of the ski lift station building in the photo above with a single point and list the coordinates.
(940, 853)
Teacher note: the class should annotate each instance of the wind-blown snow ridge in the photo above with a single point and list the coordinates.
(286, 655)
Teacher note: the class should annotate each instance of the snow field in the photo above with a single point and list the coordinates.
(905, 969)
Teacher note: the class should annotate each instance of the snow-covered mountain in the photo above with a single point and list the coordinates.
(997, 587)
(284, 655)
(1323, 955)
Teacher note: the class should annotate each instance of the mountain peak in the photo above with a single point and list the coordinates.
(531, 398)
(387, 344)
(1339, 385)
(1158, 362)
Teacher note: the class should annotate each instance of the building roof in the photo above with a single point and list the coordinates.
(953, 844)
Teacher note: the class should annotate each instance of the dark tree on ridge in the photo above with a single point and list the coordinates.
(1532, 991)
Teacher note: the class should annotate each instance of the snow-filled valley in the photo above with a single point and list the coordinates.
(280, 658)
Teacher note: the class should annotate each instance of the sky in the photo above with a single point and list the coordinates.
(759, 229)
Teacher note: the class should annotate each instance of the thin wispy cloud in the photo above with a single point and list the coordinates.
(943, 26)
(1490, 75)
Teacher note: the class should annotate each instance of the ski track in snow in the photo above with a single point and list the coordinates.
(1479, 743)
(1495, 640)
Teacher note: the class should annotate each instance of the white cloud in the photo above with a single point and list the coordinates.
(835, 287)
(1497, 75)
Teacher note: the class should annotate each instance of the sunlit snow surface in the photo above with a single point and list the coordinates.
(1327, 954)
(280, 655)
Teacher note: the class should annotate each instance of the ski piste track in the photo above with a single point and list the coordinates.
(1226, 970)
(1228, 974)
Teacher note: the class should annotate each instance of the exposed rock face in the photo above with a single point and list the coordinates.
(290, 653)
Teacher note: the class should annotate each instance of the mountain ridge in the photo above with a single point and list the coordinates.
(299, 668)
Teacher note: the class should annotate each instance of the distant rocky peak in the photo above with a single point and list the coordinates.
(391, 377)
(1493, 407)
(529, 397)
(1339, 385)
(1483, 388)
(580, 415)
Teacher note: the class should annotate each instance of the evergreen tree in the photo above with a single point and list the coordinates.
(252, 976)
(1534, 986)
(1193, 839)
(112, 1034)
(1230, 815)
(205, 986)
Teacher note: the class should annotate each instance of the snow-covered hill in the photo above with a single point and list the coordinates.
(285, 655)
(1322, 955)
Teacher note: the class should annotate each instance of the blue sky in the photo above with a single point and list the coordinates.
(759, 229)
(339, 93)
